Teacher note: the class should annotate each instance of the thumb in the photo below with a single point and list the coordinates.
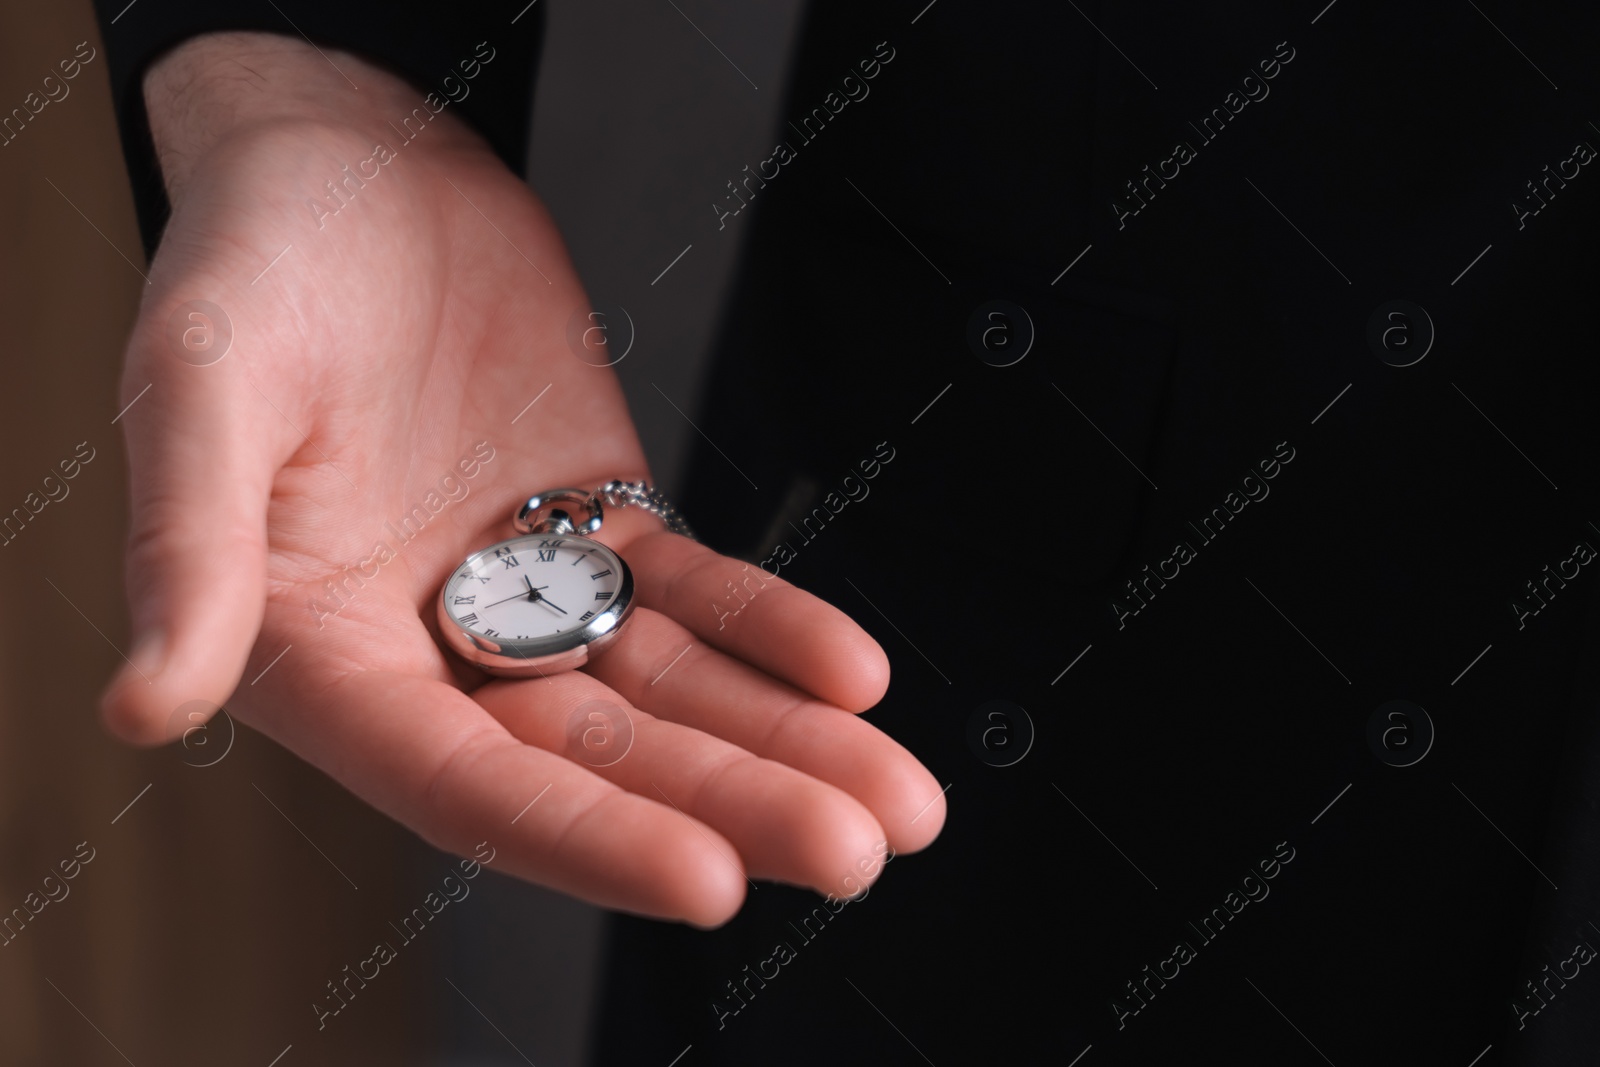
(201, 465)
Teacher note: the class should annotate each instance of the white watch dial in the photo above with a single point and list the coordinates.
(533, 587)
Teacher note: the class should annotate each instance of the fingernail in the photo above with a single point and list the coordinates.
(149, 654)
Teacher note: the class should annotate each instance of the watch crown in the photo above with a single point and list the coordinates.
(556, 522)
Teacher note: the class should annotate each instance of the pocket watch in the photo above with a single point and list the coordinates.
(551, 598)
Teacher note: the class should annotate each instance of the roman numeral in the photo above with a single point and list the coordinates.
(492, 633)
(603, 595)
(466, 599)
(469, 620)
(510, 561)
(469, 574)
(586, 616)
(602, 574)
(546, 555)
(547, 543)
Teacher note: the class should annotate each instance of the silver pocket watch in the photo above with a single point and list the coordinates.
(551, 598)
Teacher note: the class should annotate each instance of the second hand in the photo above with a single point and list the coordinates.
(531, 594)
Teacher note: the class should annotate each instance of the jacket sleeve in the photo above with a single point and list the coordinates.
(423, 42)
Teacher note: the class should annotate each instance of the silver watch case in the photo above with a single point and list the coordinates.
(545, 655)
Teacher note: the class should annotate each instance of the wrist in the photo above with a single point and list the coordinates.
(223, 86)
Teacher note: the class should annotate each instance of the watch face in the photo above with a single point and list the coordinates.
(535, 603)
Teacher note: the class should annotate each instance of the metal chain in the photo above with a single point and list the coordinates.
(620, 494)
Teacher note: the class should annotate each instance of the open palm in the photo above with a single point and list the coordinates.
(377, 383)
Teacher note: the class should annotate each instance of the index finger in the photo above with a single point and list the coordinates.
(760, 618)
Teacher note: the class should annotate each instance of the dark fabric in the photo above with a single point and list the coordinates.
(422, 42)
(1204, 735)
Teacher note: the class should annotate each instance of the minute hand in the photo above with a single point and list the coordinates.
(540, 598)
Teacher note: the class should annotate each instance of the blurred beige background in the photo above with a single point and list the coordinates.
(204, 926)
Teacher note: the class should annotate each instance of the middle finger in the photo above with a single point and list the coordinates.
(787, 825)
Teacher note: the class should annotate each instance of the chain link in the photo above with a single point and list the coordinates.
(619, 494)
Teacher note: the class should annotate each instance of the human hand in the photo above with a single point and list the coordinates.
(378, 354)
